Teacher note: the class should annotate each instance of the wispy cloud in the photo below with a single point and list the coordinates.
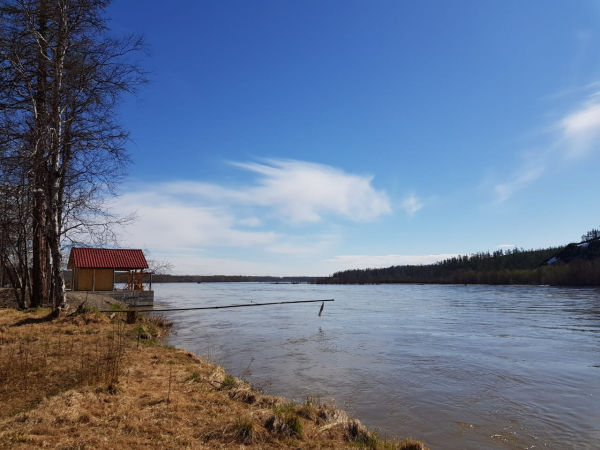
(519, 180)
(181, 215)
(575, 135)
(505, 246)
(411, 205)
(343, 262)
(167, 223)
(298, 249)
(304, 191)
(196, 263)
(297, 191)
(250, 222)
(581, 129)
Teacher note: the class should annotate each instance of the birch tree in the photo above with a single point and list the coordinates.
(62, 78)
(15, 229)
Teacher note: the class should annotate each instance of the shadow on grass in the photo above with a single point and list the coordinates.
(33, 320)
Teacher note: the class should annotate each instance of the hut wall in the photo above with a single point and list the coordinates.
(87, 280)
(104, 280)
(84, 280)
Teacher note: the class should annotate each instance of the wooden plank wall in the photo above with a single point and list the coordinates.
(104, 280)
(86, 280)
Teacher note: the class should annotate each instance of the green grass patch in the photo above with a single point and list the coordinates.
(294, 425)
(228, 382)
(283, 409)
(244, 431)
(146, 331)
(195, 377)
(373, 442)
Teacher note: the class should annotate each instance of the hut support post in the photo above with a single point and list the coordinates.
(93, 280)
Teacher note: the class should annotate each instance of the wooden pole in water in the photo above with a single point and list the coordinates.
(229, 306)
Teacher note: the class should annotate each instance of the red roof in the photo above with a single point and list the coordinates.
(102, 258)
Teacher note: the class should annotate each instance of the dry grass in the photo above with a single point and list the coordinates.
(84, 381)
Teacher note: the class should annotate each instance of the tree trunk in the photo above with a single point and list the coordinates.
(54, 180)
(41, 257)
(59, 300)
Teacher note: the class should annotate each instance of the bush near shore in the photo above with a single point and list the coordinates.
(86, 380)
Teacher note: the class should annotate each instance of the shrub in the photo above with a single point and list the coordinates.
(228, 382)
(195, 377)
(245, 431)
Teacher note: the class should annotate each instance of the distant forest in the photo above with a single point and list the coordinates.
(576, 264)
(228, 279)
(572, 265)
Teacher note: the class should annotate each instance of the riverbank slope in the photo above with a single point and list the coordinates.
(88, 381)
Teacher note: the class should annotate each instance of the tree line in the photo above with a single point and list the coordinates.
(62, 149)
(513, 266)
(594, 233)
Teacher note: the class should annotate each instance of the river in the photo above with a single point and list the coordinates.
(458, 367)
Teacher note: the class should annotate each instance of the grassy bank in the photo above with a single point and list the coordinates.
(88, 381)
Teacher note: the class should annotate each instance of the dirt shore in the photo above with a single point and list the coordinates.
(74, 300)
(87, 381)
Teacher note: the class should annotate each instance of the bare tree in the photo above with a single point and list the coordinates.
(591, 235)
(62, 78)
(158, 266)
(23, 101)
(15, 231)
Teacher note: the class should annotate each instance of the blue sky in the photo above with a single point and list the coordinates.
(306, 137)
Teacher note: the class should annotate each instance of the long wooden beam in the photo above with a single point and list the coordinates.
(219, 307)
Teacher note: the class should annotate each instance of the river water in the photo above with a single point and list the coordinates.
(459, 367)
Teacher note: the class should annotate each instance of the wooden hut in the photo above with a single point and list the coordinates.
(94, 268)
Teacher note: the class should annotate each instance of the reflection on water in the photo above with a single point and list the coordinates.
(460, 367)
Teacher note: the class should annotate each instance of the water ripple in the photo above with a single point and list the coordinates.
(461, 367)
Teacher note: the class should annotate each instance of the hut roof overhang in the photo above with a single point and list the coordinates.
(102, 258)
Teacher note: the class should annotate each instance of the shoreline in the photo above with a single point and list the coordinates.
(84, 380)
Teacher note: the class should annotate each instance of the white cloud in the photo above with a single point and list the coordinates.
(188, 263)
(521, 179)
(296, 250)
(343, 262)
(505, 246)
(250, 222)
(179, 216)
(581, 130)
(569, 138)
(183, 214)
(411, 205)
(194, 223)
(296, 191)
(166, 223)
(304, 245)
(303, 192)
(573, 136)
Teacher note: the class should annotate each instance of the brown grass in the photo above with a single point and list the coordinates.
(84, 381)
